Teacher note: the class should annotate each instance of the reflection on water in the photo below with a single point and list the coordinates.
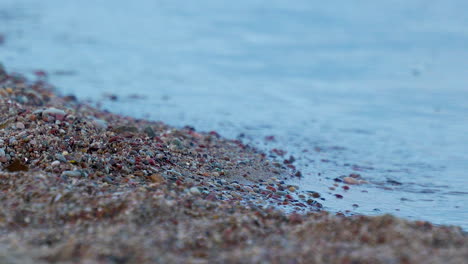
(378, 89)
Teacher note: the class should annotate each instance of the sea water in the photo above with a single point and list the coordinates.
(378, 88)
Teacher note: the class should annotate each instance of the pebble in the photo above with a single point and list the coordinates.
(55, 163)
(292, 189)
(3, 157)
(74, 173)
(195, 191)
(20, 126)
(53, 111)
(248, 189)
(157, 178)
(60, 157)
(12, 140)
(149, 131)
(350, 180)
(99, 123)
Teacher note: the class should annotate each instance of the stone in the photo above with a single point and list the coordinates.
(17, 165)
(53, 111)
(99, 123)
(195, 191)
(19, 126)
(157, 178)
(75, 173)
(350, 180)
(149, 131)
(60, 157)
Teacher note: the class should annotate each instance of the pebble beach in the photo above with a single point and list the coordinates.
(83, 185)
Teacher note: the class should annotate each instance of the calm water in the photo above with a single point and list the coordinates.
(380, 89)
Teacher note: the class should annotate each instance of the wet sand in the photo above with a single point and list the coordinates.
(81, 185)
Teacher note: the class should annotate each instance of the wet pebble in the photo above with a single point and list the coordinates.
(350, 180)
(248, 189)
(74, 173)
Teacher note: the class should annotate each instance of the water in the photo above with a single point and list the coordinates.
(378, 89)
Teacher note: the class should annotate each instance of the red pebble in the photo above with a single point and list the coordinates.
(278, 152)
(214, 133)
(115, 138)
(339, 196)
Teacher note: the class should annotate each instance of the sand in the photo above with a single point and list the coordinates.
(82, 185)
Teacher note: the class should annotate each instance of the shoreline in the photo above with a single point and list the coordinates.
(83, 185)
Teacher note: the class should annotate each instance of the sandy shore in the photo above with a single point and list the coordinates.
(81, 185)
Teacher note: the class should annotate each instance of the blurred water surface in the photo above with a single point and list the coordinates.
(377, 88)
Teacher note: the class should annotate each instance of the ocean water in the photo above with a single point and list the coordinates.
(375, 88)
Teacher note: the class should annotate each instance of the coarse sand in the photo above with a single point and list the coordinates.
(82, 185)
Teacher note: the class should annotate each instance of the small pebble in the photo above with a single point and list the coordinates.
(19, 126)
(350, 180)
(195, 191)
(55, 163)
(157, 178)
(53, 111)
(60, 157)
(3, 157)
(99, 123)
(74, 173)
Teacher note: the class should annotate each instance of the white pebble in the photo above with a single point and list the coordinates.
(19, 126)
(99, 123)
(53, 111)
(195, 191)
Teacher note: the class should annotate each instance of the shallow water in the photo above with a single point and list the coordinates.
(378, 89)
